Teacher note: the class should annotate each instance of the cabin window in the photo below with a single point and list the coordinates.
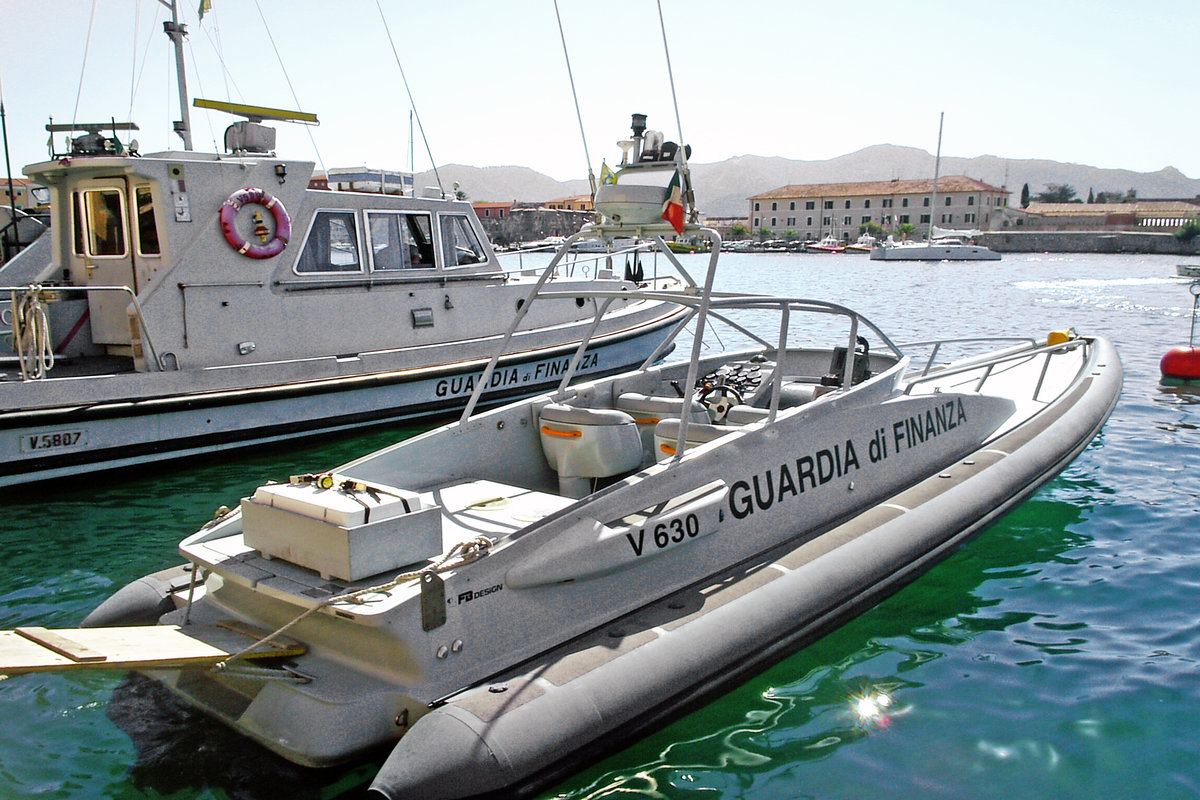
(332, 244)
(400, 241)
(459, 244)
(104, 224)
(147, 226)
(77, 223)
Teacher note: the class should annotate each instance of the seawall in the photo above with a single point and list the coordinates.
(1088, 242)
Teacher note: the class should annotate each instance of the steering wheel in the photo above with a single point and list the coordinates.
(718, 399)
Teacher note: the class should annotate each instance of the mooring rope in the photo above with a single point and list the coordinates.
(31, 334)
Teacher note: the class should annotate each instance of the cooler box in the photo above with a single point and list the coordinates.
(343, 533)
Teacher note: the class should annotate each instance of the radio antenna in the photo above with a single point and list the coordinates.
(578, 114)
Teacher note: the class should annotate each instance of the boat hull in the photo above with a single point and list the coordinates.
(934, 252)
(525, 730)
(41, 444)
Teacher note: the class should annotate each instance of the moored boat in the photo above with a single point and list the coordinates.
(498, 596)
(828, 244)
(185, 303)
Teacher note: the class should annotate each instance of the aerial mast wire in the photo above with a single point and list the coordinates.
(578, 114)
(689, 195)
(411, 103)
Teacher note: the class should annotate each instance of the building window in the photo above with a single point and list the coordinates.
(924, 219)
(904, 203)
(846, 220)
(826, 220)
(904, 219)
(774, 206)
(948, 199)
(847, 204)
(829, 204)
(969, 217)
(971, 200)
(887, 202)
(756, 209)
(866, 218)
(791, 221)
(927, 202)
(810, 205)
(867, 203)
(809, 222)
(792, 207)
(773, 222)
(756, 219)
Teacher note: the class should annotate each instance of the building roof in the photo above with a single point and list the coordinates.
(950, 183)
(1140, 208)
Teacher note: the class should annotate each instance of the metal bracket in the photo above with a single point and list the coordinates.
(433, 601)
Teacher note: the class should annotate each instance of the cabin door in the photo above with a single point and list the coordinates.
(104, 251)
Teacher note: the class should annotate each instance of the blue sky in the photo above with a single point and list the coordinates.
(1102, 83)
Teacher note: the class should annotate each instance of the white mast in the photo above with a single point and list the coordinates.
(937, 166)
(177, 32)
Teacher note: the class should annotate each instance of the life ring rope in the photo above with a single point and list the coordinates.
(253, 196)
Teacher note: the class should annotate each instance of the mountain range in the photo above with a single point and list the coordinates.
(722, 188)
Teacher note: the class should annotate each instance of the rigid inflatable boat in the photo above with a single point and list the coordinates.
(500, 598)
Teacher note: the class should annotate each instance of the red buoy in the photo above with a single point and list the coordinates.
(1181, 363)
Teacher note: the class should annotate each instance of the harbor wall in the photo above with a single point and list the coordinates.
(1088, 242)
(528, 225)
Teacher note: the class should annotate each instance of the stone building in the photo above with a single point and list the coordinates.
(817, 209)
(1148, 216)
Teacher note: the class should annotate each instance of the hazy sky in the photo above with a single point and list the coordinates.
(1101, 82)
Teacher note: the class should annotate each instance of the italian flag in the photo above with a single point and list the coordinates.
(673, 209)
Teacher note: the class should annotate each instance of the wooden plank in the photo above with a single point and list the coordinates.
(60, 644)
(137, 647)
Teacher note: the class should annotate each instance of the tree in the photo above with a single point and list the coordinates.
(1025, 196)
(739, 231)
(459, 194)
(906, 229)
(1189, 231)
(790, 235)
(873, 228)
(1091, 197)
(764, 234)
(1056, 193)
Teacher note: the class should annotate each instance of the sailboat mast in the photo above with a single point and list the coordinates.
(177, 31)
(937, 167)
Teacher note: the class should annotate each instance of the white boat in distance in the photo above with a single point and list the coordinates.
(940, 244)
(503, 598)
(185, 303)
(948, 246)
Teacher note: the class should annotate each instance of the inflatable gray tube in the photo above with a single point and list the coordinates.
(141, 602)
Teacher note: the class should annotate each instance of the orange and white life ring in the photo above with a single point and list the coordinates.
(283, 223)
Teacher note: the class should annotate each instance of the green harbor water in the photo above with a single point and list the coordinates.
(1055, 655)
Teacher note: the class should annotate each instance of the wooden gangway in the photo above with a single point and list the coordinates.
(33, 649)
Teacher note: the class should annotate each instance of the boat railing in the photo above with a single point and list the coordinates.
(538, 290)
(35, 355)
(1023, 342)
(988, 364)
(703, 303)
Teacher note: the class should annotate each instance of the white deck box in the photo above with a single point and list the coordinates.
(340, 532)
